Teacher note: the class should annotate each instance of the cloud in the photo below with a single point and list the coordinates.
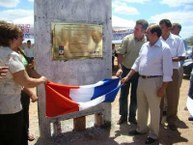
(9, 3)
(120, 22)
(131, 1)
(25, 20)
(21, 16)
(31, 0)
(177, 3)
(124, 10)
(121, 8)
(185, 18)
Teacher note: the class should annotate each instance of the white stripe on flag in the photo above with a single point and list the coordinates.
(86, 105)
(81, 94)
(99, 83)
(84, 93)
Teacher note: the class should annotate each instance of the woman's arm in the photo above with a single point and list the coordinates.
(22, 78)
(31, 94)
(3, 71)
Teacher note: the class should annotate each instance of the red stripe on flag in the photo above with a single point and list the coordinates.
(58, 101)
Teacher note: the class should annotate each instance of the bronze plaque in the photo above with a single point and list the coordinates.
(72, 41)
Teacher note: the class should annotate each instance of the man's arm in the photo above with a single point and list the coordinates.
(178, 58)
(120, 60)
(128, 76)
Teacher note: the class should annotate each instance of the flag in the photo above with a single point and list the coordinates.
(64, 99)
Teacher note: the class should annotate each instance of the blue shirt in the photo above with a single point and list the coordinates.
(155, 60)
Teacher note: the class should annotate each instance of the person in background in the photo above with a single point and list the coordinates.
(154, 65)
(27, 93)
(29, 50)
(3, 71)
(12, 130)
(127, 53)
(176, 28)
(114, 54)
(178, 54)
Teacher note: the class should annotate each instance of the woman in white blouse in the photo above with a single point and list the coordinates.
(11, 116)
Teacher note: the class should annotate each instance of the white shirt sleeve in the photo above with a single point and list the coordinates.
(181, 48)
(15, 63)
(167, 65)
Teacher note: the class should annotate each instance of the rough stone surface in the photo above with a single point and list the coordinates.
(76, 71)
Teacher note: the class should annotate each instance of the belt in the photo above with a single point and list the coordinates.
(146, 77)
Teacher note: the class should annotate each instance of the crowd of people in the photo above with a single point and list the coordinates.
(154, 58)
(149, 62)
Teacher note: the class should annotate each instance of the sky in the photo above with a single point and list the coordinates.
(124, 12)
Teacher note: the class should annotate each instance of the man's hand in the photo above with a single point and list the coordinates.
(160, 92)
(31, 65)
(124, 80)
(119, 72)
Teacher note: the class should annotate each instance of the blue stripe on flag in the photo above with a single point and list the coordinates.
(110, 97)
(109, 88)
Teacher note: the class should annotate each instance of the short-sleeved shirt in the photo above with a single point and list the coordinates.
(177, 48)
(9, 89)
(130, 48)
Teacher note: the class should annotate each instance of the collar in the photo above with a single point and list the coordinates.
(169, 37)
(142, 39)
(156, 44)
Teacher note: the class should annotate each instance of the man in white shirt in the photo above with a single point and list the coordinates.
(176, 28)
(178, 54)
(154, 65)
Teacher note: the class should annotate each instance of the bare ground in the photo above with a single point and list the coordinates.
(116, 134)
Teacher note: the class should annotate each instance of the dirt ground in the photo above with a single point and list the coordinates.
(118, 134)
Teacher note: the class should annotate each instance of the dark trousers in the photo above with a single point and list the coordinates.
(123, 100)
(12, 129)
(113, 65)
(25, 102)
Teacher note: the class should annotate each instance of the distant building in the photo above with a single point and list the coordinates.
(119, 33)
(28, 31)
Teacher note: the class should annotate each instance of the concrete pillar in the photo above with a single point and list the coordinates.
(76, 71)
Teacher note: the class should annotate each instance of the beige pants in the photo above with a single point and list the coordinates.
(172, 96)
(147, 99)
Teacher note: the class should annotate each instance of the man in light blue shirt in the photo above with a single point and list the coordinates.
(154, 65)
